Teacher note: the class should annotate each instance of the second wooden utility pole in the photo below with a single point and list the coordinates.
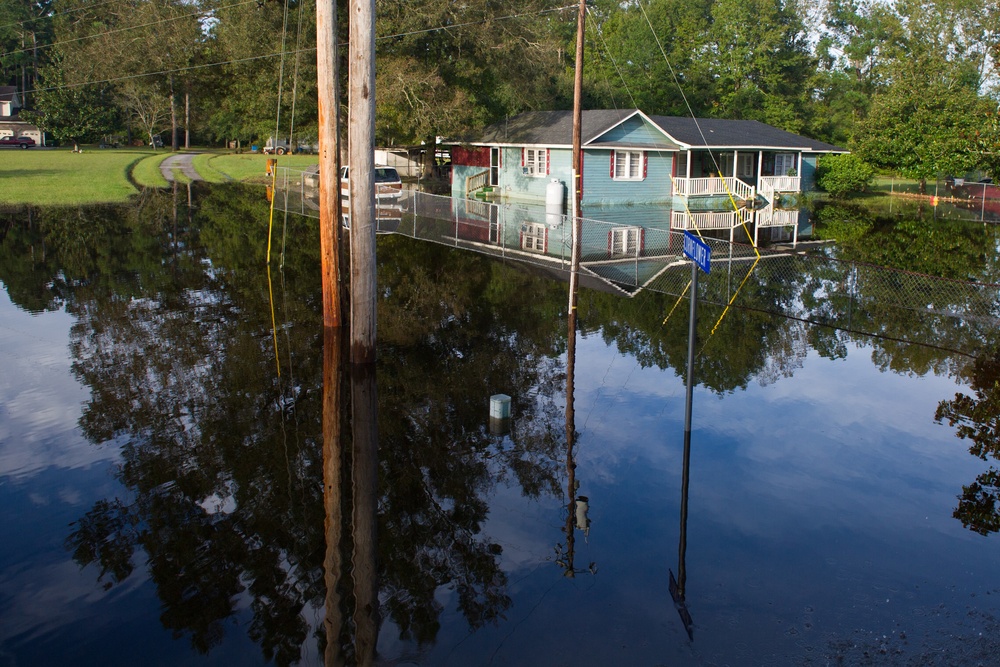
(576, 188)
(361, 158)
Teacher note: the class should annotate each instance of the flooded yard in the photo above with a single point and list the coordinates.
(162, 463)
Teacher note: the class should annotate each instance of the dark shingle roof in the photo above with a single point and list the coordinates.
(555, 128)
(735, 134)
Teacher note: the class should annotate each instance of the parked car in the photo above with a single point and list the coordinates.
(387, 182)
(16, 142)
(388, 185)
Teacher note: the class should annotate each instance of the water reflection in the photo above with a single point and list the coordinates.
(977, 419)
(244, 501)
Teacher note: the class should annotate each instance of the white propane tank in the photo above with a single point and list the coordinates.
(555, 195)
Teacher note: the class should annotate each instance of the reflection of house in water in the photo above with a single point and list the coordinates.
(627, 246)
(710, 174)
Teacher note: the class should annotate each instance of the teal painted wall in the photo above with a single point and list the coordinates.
(634, 130)
(601, 190)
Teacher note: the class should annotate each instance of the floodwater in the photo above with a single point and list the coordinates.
(162, 464)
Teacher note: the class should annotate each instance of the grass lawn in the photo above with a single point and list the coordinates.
(250, 167)
(60, 177)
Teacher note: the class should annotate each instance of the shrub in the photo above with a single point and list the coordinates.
(840, 175)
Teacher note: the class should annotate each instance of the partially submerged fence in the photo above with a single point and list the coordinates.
(636, 250)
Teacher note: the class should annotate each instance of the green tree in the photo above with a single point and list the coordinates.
(840, 175)
(761, 61)
(921, 126)
(624, 64)
(72, 113)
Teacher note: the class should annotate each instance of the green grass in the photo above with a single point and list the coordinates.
(147, 173)
(60, 177)
(898, 185)
(251, 167)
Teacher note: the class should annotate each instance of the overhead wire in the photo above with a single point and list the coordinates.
(112, 31)
(55, 14)
(235, 61)
(281, 75)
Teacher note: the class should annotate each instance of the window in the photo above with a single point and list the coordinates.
(535, 161)
(783, 163)
(534, 237)
(745, 165)
(625, 241)
(628, 165)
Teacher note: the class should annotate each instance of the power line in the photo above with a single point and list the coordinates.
(278, 54)
(127, 28)
(55, 14)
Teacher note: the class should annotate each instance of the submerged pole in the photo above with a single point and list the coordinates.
(576, 188)
(361, 158)
(327, 75)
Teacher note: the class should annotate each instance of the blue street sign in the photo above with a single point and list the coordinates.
(697, 250)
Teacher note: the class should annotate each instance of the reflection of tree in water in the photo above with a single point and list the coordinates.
(221, 457)
(978, 420)
(448, 347)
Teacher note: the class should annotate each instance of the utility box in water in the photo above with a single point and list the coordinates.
(499, 406)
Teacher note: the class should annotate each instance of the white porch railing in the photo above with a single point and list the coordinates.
(704, 187)
(777, 218)
(704, 221)
(476, 182)
(781, 183)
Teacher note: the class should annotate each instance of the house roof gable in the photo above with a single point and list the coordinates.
(552, 128)
(9, 94)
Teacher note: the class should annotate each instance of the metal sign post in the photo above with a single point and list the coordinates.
(701, 253)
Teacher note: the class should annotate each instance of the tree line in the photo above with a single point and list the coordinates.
(910, 86)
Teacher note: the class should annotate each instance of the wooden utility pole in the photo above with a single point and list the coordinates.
(361, 158)
(577, 185)
(327, 73)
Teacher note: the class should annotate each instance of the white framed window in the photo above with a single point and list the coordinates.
(535, 161)
(783, 163)
(625, 241)
(534, 237)
(628, 165)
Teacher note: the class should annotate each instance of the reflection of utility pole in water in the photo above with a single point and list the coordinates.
(677, 586)
(362, 476)
(364, 402)
(577, 507)
(333, 474)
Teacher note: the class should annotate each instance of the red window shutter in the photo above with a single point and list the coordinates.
(612, 164)
(645, 163)
(611, 239)
(522, 157)
(547, 154)
(545, 240)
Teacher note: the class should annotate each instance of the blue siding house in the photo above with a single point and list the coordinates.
(711, 173)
